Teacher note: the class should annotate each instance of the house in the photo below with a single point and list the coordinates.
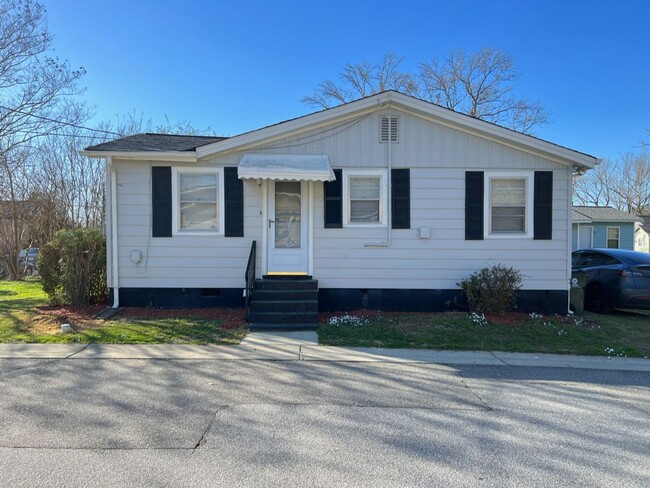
(641, 236)
(383, 203)
(603, 227)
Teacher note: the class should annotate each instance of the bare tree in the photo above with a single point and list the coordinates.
(73, 185)
(623, 184)
(480, 85)
(361, 80)
(15, 210)
(632, 187)
(594, 188)
(34, 89)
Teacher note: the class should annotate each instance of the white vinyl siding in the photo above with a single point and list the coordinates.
(353, 144)
(438, 157)
(197, 260)
(342, 258)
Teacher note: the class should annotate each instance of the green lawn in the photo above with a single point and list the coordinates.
(620, 334)
(24, 318)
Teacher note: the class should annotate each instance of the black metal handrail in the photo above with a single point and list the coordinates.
(249, 276)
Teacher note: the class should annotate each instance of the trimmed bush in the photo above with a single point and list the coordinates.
(73, 267)
(492, 290)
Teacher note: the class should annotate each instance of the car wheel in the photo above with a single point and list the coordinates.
(596, 300)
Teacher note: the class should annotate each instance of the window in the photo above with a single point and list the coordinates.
(365, 198)
(197, 195)
(509, 205)
(613, 237)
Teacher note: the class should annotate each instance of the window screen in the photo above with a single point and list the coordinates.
(508, 205)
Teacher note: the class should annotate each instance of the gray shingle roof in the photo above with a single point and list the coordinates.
(646, 222)
(602, 214)
(155, 143)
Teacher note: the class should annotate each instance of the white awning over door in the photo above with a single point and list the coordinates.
(288, 167)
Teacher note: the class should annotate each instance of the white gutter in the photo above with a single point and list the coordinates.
(570, 239)
(171, 156)
(114, 246)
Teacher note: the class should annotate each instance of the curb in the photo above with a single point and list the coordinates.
(285, 350)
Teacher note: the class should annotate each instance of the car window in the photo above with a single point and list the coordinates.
(597, 259)
(575, 259)
(608, 260)
(586, 259)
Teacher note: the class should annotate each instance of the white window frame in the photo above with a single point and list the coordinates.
(383, 204)
(618, 239)
(176, 208)
(528, 177)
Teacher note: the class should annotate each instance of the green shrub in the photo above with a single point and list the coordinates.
(73, 267)
(492, 290)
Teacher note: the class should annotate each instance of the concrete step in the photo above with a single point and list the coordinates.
(283, 305)
(282, 317)
(260, 326)
(272, 295)
(285, 284)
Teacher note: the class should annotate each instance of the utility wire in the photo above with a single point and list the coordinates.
(69, 124)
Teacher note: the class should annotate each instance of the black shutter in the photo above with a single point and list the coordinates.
(334, 201)
(474, 205)
(401, 198)
(161, 201)
(543, 207)
(234, 201)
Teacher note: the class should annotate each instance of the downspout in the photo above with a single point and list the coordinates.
(389, 162)
(114, 246)
(570, 238)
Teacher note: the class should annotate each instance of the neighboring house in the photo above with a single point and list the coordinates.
(641, 236)
(387, 202)
(603, 227)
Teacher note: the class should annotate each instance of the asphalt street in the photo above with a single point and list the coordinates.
(161, 422)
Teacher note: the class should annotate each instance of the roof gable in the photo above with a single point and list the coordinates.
(192, 148)
(415, 106)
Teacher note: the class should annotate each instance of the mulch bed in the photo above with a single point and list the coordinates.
(69, 313)
(232, 318)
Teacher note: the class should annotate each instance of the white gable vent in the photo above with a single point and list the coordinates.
(385, 129)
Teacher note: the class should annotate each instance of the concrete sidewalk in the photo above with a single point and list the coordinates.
(303, 346)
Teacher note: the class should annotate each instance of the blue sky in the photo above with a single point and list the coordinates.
(239, 65)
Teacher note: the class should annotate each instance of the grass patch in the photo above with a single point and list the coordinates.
(24, 317)
(620, 334)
